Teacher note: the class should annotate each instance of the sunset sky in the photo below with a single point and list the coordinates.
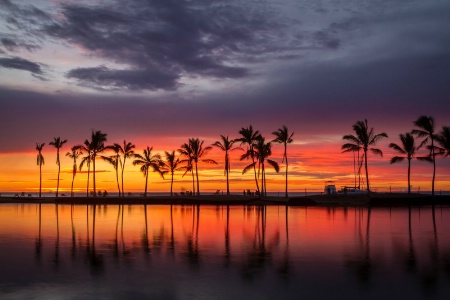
(159, 72)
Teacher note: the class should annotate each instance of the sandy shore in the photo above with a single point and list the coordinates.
(375, 199)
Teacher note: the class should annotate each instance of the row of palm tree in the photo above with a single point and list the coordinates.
(191, 154)
(365, 138)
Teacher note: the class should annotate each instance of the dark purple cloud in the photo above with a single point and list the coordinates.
(21, 64)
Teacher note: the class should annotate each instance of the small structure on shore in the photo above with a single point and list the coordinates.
(330, 188)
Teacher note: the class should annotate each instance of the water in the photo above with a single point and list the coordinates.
(209, 252)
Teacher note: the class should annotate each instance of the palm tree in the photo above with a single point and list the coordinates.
(363, 140)
(226, 145)
(283, 137)
(98, 140)
(170, 166)
(85, 148)
(186, 151)
(250, 137)
(127, 152)
(40, 162)
(115, 161)
(197, 153)
(73, 155)
(262, 152)
(426, 125)
(444, 141)
(146, 161)
(407, 148)
(58, 143)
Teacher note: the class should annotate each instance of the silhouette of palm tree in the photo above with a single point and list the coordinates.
(115, 161)
(186, 151)
(262, 153)
(40, 162)
(86, 148)
(127, 152)
(408, 148)
(97, 143)
(426, 125)
(73, 155)
(283, 137)
(363, 140)
(250, 137)
(198, 151)
(146, 161)
(58, 143)
(170, 166)
(226, 145)
(444, 141)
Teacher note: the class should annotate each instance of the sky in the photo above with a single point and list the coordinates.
(157, 73)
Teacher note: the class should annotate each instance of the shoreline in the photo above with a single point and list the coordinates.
(365, 200)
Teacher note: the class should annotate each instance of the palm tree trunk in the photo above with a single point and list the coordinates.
(40, 180)
(262, 180)
(93, 161)
(171, 185)
(146, 184)
(254, 170)
(71, 187)
(285, 157)
(57, 184)
(198, 183)
(123, 168)
(434, 167)
(193, 182)
(367, 171)
(409, 176)
(89, 172)
(117, 178)
(227, 171)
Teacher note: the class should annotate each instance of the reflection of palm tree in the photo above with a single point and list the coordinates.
(426, 125)
(115, 161)
(127, 152)
(283, 137)
(40, 162)
(98, 140)
(146, 161)
(226, 145)
(364, 139)
(38, 248)
(58, 143)
(56, 256)
(407, 148)
(73, 155)
(250, 137)
(170, 166)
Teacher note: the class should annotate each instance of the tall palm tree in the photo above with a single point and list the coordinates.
(58, 143)
(198, 151)
(408, 148)
(426, 131)
(282, 136)
(98, 140)
(73, 155)
(171, 165)
(115, 161)
(85, 148)
(263, 151)
(364, 139)
(40, 162)
(146, 161)
(226, 145)
(187, 152)
(250, 137)
(127, 152)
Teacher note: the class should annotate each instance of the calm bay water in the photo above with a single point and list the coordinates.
(188, 252)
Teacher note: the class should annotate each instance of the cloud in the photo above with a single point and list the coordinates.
(21, 64)
(164, 41)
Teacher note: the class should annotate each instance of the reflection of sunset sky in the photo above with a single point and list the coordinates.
(158, 73)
